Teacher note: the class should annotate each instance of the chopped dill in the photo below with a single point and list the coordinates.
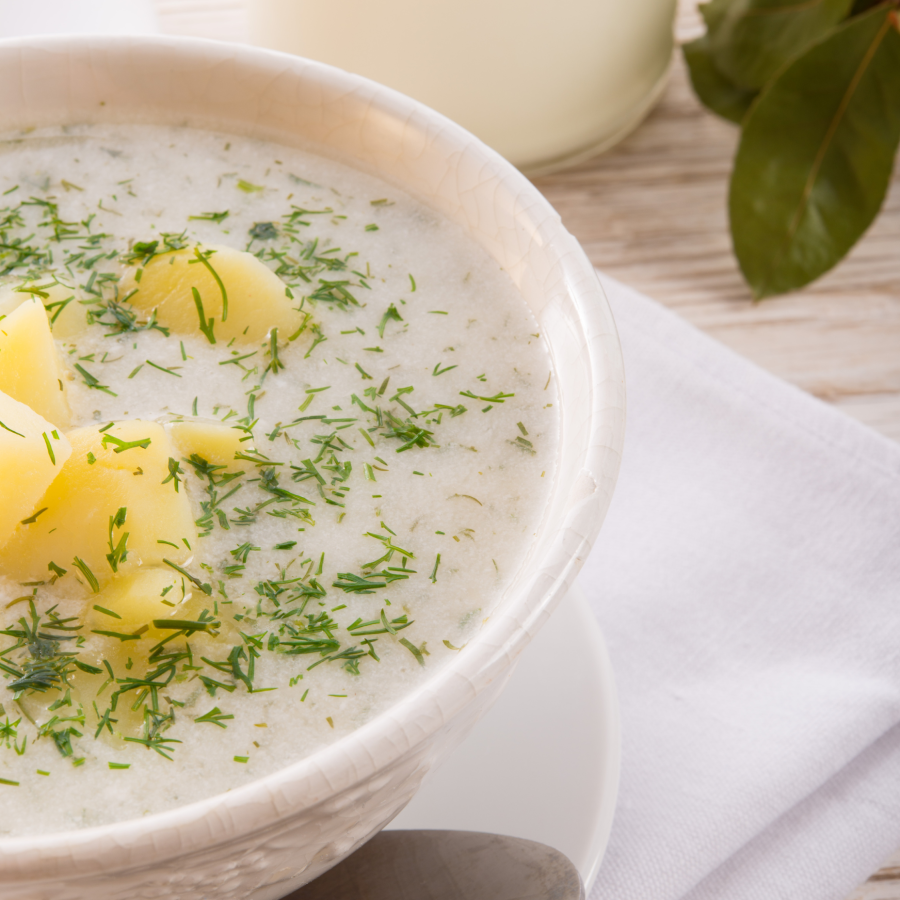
(217, 217)
(391, 314)
(215, 717)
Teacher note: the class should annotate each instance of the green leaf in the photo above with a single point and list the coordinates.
(816, 155)
(750, 40)
(715, 91)
(715, 12)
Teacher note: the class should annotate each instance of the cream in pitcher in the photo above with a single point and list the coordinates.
(542, 83)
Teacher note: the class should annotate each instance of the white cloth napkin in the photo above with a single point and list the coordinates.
(748, 583)
(26, 17)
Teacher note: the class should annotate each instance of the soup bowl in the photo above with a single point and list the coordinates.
(268, 837)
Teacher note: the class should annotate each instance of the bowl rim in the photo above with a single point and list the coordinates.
(491, 651)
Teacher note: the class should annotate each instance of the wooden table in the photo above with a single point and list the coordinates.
(652, 213)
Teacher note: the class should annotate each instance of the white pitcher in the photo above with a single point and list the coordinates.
(544, 83)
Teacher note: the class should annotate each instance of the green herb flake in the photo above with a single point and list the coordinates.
(417, 652)
(175, 471)
(203, 259)
(215, 717)
(85, 570)
(107, 612)
(93, 382)
(33, 518)
(392, 314)
(217, 217)
(121, 446)
(162, 368)
(10, 430)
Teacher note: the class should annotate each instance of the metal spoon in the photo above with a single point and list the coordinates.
(447, 865)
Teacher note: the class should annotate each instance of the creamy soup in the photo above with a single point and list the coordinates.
(275, 440)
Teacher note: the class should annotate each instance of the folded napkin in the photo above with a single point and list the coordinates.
(748, 583)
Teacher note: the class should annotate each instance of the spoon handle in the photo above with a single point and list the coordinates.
(448, 865)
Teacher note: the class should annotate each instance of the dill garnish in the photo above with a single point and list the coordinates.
(83, 567)
(93, 382)
(411, 435)
(33, 518)
(175, 471)
(218, 217)
(203, 259)
(124, 319)
(10, 430)
(417, 652)
(499, 397)
(117, 551)
(275, 363)
(524, 444)
(391, 314)
(207, 589)
(121, 446)
(215, 717)
(162, 368)
(437, 562)
(467, 497)
(206, 325)
(263, 231)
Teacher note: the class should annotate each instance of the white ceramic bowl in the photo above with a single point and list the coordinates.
(265, 839)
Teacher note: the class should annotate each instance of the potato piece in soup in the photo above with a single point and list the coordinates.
(215, 443)
(32, 453)
(68, 317)
(257, 299)
(30, 368)
(140, 598)
(123, 467)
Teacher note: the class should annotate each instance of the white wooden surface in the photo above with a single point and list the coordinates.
(652, 212)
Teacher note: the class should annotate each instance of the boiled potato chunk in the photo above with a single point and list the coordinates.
(139, 598)
(257, 301)
(85, 494)
(217, 444)
(32, 454)
(30, 369)
(67, 316)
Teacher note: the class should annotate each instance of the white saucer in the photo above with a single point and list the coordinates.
(543, 764)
